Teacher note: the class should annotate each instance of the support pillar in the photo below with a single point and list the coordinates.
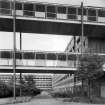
(20, 72)
(82, 27)
(75, 65)
(14, 50)
(20, 84)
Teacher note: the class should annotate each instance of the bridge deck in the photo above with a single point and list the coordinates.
(27, 69)
(35, 61)
(46, 18)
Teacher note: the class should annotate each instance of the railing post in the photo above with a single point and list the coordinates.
(46, 12)
(82, 27)
(20, 84)
(35, 57)
(82, 34)
(46, 60)
(97, 15)
(56, 59)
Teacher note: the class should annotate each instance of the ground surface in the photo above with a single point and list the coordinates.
(45, 99)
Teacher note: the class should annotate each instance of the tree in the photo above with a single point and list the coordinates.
(29, 87)
(90, 68)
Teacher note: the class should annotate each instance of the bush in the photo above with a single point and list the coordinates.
(28, 88)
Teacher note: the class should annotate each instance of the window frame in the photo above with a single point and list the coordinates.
(60, 11)
(101, 14)
(27, 57)
(43, 9)
(40, 56)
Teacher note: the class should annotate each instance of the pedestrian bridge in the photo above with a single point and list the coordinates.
(38, 17)
(37, 61)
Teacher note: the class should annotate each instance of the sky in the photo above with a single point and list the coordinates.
(39, 42)
(100, 3)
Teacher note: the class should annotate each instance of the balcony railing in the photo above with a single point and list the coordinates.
(38, 59)
(52, 11)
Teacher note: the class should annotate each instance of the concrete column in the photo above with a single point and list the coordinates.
(20, 84)
(20, 72)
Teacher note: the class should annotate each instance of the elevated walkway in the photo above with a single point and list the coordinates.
(35, 61)
(52, 18)
(43, 62)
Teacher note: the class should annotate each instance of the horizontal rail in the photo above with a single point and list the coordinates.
(59, 12)
(38, 63)
(43, 55)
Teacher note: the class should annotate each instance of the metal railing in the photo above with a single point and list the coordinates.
(35, 59)
(37, 63)
(52, 15)
(26, 59)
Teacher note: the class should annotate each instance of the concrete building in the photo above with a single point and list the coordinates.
(65, 83)
(43, 82)
(90, 44)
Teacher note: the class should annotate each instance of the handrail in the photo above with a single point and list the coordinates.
(48, 52)
(33, 14)
(32, 63)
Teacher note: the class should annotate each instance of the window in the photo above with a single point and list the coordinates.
(28, 55)
(18, 6)
(40, 56)
(71, 10)
(18, 55)
(51, 56)
(91, 12)
(4, 4)
(5, 7)
(51, 12)
(61, 57)
(72, 13)
(101, 13)
(6, 54)
(80, 11)
(61, 10)
(71, 57)
(40, 8)
(51, 9)
(28, 9)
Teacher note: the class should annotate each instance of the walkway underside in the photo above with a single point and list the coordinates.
(52, 27)
(4, 69)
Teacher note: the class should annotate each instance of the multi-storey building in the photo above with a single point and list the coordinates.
(65, 83)
(43, 82)
(61, 83)
(92, 44)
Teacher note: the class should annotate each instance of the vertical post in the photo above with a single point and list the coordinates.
(14, 50)
(20, 84)
(75, 66)
(20, 72)
(75, 50)
(82, 34)
(82, 28)
(20, 41)
(45, 11)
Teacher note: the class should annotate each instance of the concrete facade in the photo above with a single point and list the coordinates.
(43, 82)
(68, 84)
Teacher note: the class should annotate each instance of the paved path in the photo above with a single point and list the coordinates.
(4, 100)
(46, 99)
